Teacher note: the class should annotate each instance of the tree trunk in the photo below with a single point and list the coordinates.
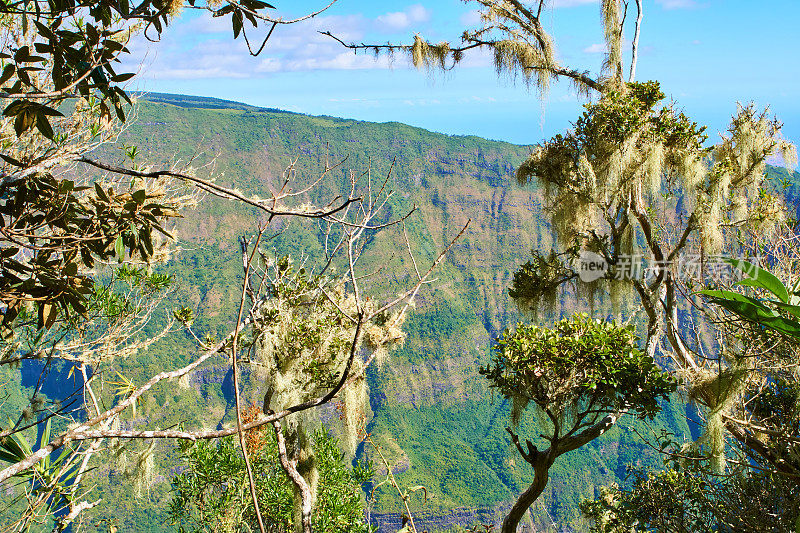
(541, 461)
(527, 498)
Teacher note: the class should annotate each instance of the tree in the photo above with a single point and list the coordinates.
(120, 306)
(655, 193)
(54, 52)
(68, 216)
(583, 374)
(759, 489)
(634, 181)
(312, 335)
(210, 494)
(683, 500)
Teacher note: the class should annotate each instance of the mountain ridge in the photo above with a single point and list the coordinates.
(209, 102)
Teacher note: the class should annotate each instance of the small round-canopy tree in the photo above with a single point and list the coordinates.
(583, 374)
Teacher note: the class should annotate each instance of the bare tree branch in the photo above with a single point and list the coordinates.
(236, 394)
(224, 191)
(635, 44)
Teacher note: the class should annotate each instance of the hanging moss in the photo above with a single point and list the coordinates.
(303, 339)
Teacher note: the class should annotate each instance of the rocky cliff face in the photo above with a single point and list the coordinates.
(432, 413)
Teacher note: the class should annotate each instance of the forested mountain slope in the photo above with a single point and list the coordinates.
(431, 411)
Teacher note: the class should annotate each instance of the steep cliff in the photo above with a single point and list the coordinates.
(432, 412)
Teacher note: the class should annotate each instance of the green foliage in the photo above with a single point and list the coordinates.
(771, 385)
(619, 150)
(121, 295)
(48, 484)
(779, 403)
(629, 170)
(658, 501)
(539, 279)
(580, 361)
(80, 53)
(428, 396)
(759, 491)
(583, 374)
(58, 230)
(680, 500)
(212, 494)
(603, 128)
(770, 313)
(479, 470)
(301, 332)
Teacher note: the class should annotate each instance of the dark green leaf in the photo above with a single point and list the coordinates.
(123, 7)
(43, 125)
(15, 107)
(101, 194)
(11, 160)
(732, 296)
(236, 20)
(23, 122)
(793, 310)
(761, 278)
(8, 71)
(47, 315)
(123, 77)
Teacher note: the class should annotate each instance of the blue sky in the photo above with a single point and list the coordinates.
(708, 55)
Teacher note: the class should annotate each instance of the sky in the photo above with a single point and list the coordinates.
(707, 54)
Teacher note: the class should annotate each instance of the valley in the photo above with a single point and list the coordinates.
(432, 414)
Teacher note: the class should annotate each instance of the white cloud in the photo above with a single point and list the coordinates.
(299, 47)
(475, 99)
(269, 64)
(419, 13)
(401, 20)
(422, 102)
(597, 48)
(195, 73)
(203, 47)
(209, 59)
(678, 4)
(395, 21)
(473, 17)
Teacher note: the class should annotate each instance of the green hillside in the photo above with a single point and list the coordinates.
(432, 412)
